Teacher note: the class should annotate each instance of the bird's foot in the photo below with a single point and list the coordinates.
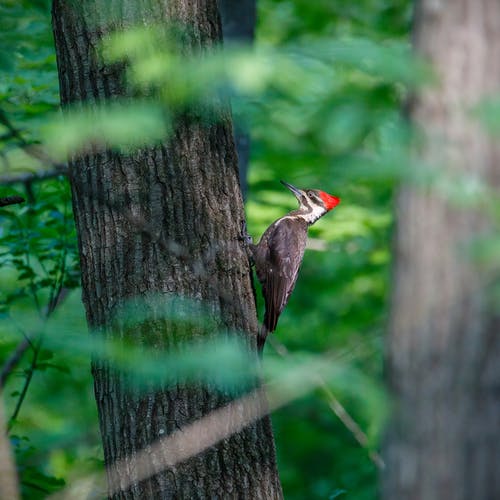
(247, 241)
(245, 237)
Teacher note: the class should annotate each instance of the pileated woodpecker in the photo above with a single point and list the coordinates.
(278, 255)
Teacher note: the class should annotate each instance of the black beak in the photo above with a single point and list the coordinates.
(296, 191)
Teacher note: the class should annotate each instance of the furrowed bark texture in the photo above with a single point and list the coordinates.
(165, 221)
(444, 344)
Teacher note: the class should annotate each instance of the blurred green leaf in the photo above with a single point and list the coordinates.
(124, 126)
(488, 111)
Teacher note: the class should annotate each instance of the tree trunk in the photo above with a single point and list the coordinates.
(166, 221)
(444, 342)
(238, 27)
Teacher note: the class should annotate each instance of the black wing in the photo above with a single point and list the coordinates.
(285, 250)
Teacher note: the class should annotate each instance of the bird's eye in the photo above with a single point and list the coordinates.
(309, 192)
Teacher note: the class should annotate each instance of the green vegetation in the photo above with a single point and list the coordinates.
(321, 95)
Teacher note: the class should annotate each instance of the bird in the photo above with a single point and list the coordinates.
(278, 255)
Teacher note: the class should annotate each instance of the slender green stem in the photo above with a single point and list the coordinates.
(26, 385)
(55, 293)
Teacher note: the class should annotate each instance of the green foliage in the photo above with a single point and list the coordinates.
(281, 21)
(39, 265)
(34, 483)
(279, 92)
(340, 130)
(80, 130)
(28, 77)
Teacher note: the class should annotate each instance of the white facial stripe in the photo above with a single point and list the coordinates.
(309, 211)
(315, 213)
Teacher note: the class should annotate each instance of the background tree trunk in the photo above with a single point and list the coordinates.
(444, 338)
(163, 220)
(238, 27)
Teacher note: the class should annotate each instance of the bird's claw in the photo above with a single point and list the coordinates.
(245, 237)
(247, 241)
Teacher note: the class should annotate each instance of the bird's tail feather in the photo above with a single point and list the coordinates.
(261, 339)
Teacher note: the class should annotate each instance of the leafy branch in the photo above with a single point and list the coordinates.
(56, 297)
(55, 278)
(29, 376)
(13, 361)
(36, 151)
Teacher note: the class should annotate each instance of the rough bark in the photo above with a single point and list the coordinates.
(165, 221)
(444, 342)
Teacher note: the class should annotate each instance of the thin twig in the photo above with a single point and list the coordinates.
(339, 410)
(352, 425)
(39, 175)
(11, 200)
(32, 284)
(36, 151)
(27, 381)
(57, 286)
(57, 296)
(13, 360)
(58, 299)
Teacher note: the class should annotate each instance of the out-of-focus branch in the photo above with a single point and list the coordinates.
(198, 436)
(27, 382)
(208, 430)
(191, 440)
(40, 175)
(11, 200)
(58, 295)
(339, 410)
(36, 151)
(13, 360)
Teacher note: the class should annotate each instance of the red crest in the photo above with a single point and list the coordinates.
(329, 200)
